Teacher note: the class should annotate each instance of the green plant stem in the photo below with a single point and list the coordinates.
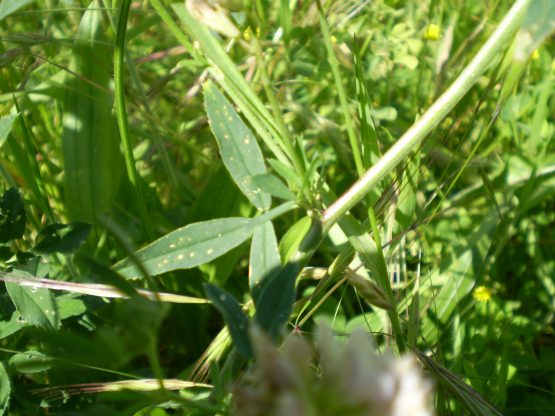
(119, 53)
(175, 29)
(431, 118)
(353, 140)
(296, 159)
(166, 161)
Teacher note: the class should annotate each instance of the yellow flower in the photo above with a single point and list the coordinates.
(535, 55)
(432, 32)
(247, 34)
(481, 294)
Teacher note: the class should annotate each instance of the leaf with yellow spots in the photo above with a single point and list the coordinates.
(239, 149)
(196, 244)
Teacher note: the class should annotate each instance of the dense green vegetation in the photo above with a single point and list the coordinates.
(169, 215)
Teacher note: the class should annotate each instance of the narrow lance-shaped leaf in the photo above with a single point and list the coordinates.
(407, 193)
(368, 136)
(274, 186)
(190, 246)
(96, 289)
(275, 302)
(196, 244)
(234, 317)
(92, 161)
(238, 147)
(146, 384)
(264, 257)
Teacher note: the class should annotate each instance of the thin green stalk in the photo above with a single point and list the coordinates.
(353, 140)
(296, 159)
(166, 162)
(431, 118)
(119, 53)
(174, 28)
(28, 153)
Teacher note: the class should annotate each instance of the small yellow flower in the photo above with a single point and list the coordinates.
(333, 39)
(553, 65)
(247, 34)
(535, 55)
(481, 294)
(432, 32)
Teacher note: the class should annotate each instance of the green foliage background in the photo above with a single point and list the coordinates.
(221, 132)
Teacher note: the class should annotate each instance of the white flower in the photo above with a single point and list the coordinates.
(352, 379)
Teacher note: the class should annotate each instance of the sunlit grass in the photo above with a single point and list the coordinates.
(227, 110)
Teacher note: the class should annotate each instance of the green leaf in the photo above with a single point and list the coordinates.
(196, 244)
(36, 305)
(10, 327)
(292, 239)
(6, 124)
(69, 305)
(275, 302)
(92, 159)
(264, 257)
(30, 362)
(286, 172)
(238, 147)
(12, 216)
(191, 246)
(5, 389)
(368, 136)
(272, 185)
(62, 238)
(406, 209)
(234, 317)
(8, 7)
(234, 84)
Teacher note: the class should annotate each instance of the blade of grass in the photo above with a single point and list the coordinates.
(89, 140)
(347, 117)
(155, 135)
(119, 54)
(235, 318)
(96, 289)
(27, 157)
(278, 116)
(368, 136)
(264, 257)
